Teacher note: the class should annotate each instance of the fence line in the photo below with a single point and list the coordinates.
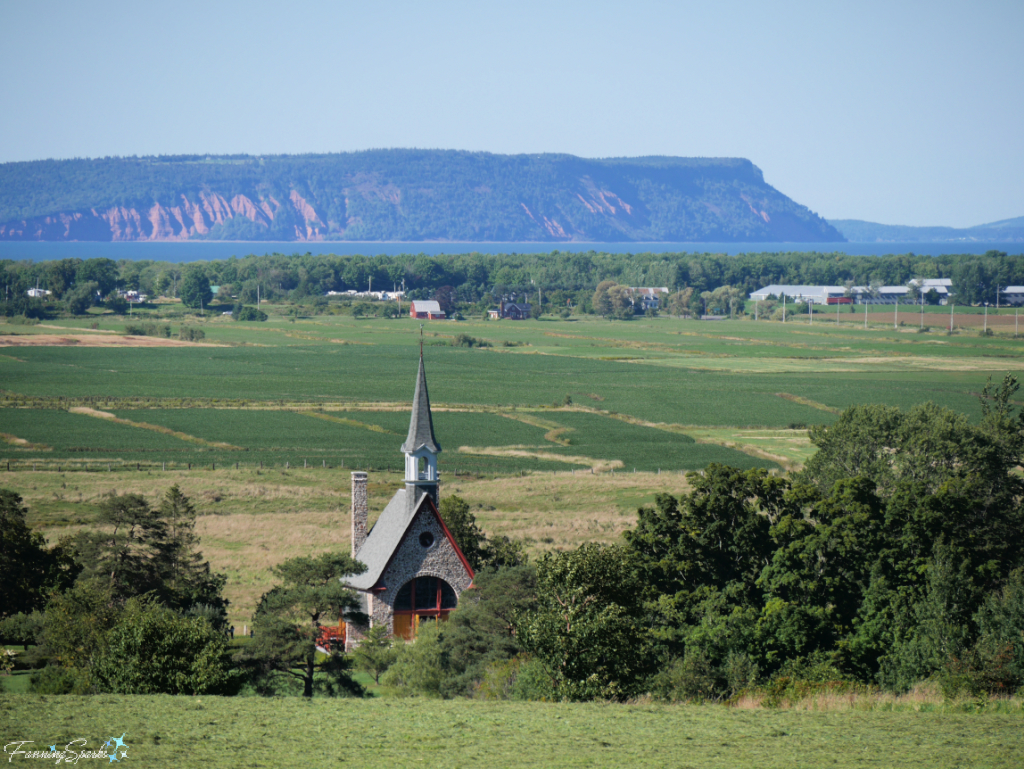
(106, 466)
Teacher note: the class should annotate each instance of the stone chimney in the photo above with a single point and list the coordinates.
(360, 511)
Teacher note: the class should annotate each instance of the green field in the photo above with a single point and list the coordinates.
(245, 387)
(221, 732)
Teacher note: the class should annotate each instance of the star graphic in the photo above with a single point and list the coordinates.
(124, 754)
(119, 741)
(113, 758)
(53, 748)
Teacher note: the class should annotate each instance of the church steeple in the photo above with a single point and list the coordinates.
(421, 447)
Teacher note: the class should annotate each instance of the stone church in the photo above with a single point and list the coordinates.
(415, 571)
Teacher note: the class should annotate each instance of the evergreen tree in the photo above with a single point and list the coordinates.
(287, 625)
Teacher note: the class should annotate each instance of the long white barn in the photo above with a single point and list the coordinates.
(943, 287)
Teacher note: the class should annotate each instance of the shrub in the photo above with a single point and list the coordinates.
(147, 329)
(241, 312)
(54, 679)
(691, 678)
(116, 303)
(191, 334)
(419, 668)
(465, 340)
(154, 650)
(519, 678)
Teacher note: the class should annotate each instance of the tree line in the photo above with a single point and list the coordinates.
(552, 281)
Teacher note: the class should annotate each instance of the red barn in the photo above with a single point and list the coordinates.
(426, 309)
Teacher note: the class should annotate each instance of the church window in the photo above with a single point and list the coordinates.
(426, 539)
(423, 599)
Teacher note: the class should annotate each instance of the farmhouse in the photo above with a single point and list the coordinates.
(425, 309)
(511, 310)
(415, 571)
(648, 298)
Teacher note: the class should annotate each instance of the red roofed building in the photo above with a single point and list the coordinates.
(427, 309)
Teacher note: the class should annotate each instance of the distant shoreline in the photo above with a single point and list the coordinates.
(207, 250)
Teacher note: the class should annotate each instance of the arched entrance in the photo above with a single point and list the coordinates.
(422, 599)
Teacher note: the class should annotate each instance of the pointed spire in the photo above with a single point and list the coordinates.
(421, 426)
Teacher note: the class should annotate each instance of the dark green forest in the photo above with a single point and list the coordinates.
(401, 195)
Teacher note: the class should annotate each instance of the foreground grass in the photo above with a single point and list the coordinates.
(221, 732)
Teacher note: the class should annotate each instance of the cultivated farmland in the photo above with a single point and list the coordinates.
(262, 422)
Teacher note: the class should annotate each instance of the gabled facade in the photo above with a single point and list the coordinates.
(511, 310)
(415, 569)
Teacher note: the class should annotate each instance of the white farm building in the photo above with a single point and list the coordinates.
(815, 294)
(943, 287)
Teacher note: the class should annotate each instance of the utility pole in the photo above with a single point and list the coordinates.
(986, 317)
(922, 311)
(783, 308)
(951, 306)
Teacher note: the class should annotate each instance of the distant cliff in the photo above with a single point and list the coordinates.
(1007, 230)
(400, 195)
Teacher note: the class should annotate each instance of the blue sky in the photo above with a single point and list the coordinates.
(897, 112)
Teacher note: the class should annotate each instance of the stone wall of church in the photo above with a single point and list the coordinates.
(412, 559)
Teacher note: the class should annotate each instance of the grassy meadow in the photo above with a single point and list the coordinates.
(221, 732)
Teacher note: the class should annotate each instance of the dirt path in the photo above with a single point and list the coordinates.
(93, 340)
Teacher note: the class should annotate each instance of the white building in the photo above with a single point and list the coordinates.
(941, 286)
(815, 294)
(859, 294)
(1012, 295)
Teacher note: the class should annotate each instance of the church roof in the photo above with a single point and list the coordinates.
(385, 536)
(421, 426)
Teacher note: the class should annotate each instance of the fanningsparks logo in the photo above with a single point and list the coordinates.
(114, 749)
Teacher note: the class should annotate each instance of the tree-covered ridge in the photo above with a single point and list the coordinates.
(1007, 230)
(400, 195)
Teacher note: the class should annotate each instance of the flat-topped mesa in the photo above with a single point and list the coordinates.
(421, 447)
